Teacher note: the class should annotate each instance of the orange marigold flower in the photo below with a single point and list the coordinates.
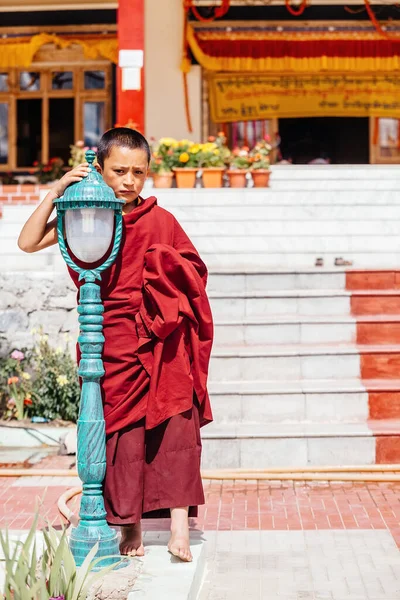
(12, 380)
(211, 138)
(184, 157)
(221, 134)
(28, 401)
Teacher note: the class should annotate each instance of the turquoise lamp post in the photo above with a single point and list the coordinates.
(90, 215)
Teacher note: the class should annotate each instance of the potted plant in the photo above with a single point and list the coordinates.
(212, 160)
(78, 151)
(240, 163)
(162, 162)
(185, 161)
(260, 167)
(49, 172)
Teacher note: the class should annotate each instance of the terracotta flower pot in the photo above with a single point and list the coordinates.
(237, 178)
(162, 180)
(185, 178)
(260, 177)
(212, 177)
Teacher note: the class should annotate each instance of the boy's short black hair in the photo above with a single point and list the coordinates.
(121, 136)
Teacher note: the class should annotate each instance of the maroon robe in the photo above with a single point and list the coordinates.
(157, 323)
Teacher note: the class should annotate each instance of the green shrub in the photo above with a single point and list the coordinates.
(41, 381)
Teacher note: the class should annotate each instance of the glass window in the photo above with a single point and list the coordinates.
(94, 122)
(95, 80)
(3, 133)
(29, 81)
(61, 80)
(3, 82)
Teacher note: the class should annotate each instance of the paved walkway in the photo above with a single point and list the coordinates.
(275, 540)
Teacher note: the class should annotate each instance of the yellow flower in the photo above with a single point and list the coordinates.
(216, 152)
(25, 375)
(184, 157)
(33, 331)
(62, 380)
(43, 338)
(195, 149)
(59, 350)
(167, 141)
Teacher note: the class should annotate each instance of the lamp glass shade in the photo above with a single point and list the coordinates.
(89, 232)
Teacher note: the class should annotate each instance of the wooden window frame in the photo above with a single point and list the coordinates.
(78, 93)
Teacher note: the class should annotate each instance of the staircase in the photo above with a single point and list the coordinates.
(306, 361)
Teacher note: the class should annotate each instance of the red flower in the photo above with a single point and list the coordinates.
(32, 171)
(36, 163)
(54, 160)
(46, 169)
(28, 401)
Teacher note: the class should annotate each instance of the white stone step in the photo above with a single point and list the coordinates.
(286, 330)
(279, 212)
(300, 260)
(259, 446)
(271, 229)
(291, 362)
(239, 305)
(315, 245)
(237, 246)
(306, 192)
(254, 280)
(358, 173)
(329, 401)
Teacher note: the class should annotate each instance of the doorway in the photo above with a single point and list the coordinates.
(338, 140)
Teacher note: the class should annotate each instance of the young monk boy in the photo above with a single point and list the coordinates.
(158, 336)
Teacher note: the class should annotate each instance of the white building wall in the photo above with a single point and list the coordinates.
(164, 104)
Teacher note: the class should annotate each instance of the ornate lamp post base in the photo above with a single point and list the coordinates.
(84, 537)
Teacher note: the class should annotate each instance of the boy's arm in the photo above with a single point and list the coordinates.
(38, 232)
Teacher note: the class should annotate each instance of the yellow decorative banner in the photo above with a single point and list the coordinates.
(257, 97)
(20, 52)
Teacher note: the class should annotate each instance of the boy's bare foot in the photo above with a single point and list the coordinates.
(179, 544)
(131, 540)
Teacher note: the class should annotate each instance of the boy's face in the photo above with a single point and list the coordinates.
(125, 171)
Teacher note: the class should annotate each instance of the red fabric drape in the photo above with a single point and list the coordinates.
(308, 49)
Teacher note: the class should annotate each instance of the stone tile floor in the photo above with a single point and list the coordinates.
(290, 541)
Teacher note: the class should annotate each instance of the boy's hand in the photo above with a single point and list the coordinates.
(76, 174)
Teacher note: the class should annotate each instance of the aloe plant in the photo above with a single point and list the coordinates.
(53, 575)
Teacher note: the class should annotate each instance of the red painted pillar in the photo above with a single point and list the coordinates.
(130, 103)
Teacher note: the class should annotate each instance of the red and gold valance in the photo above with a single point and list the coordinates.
(20, 52)
(293, 50)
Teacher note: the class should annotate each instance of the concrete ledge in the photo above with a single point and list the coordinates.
(164, 577)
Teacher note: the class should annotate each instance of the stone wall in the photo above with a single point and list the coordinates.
(33, 300)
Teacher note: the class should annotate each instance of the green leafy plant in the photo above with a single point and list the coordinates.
(185, 154)
(8, 178)
(240, 158)
(162, 159)
(29, 576)
(259, 155)
(15, 385)
(55, 383)
(41, 381)
(78, 151)
(47, 172)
